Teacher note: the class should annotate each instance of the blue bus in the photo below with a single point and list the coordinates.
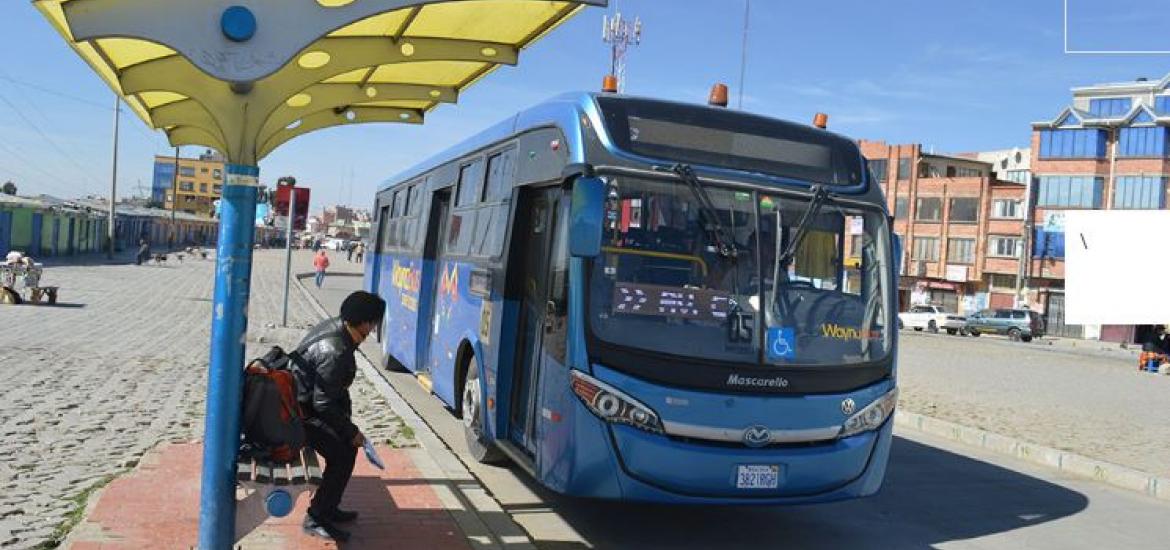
(647, 300)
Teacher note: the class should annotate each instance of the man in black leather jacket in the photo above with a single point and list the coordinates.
(323, 381)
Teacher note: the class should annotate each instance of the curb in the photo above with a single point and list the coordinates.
(484, 523)
(1070, 463)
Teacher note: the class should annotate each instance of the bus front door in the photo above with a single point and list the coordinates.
(536, 250)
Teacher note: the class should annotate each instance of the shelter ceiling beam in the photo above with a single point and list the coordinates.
(332, 117)
(333, 96)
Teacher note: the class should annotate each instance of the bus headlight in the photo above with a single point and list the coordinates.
(872, 416)
(612, 405)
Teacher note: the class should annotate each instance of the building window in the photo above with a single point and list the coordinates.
(1001, 281)
(203, 170)
(926, 249)
(928, 209)
(1139, 192)
(186, 186)
(1069, 191)
(1003, 247)
(188, 171)
(202, 187)
(217, 174)
(1110, 107)
(1011, 209)
(1072, 143)
(1018, 176)
(901, 207)
(961, 251)
(968, 172)
(1142, 142)
(469, 178)
(217, 189)
(964, 210)
(903, 169)
(880, 168)
(1162, 104)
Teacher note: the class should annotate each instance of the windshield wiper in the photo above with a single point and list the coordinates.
(780, 269)
(820, 195)
(723, 240)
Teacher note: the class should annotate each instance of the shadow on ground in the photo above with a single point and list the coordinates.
(931, 496)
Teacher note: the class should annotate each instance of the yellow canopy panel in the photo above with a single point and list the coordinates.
(264, 72)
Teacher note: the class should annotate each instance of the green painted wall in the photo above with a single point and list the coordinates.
(21, 228)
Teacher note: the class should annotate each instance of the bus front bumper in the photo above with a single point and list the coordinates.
(658, 468)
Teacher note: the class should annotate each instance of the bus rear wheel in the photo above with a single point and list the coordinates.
(473, 418)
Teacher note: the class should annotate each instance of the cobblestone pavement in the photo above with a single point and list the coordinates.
(92, 384)
(1091, 404)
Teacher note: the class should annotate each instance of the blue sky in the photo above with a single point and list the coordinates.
(954, 76)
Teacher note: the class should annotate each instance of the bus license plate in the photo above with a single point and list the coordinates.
(757, 476)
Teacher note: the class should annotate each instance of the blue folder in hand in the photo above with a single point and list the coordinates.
(372, 455)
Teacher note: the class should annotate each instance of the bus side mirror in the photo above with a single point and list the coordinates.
(586, 212)
(896, 244)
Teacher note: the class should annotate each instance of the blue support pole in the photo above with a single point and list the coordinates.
(229, 326)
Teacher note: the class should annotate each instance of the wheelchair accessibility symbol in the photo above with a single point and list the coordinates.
(781, 343)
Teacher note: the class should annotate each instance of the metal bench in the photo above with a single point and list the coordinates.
(272, 489)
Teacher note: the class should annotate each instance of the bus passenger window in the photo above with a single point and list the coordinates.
(499, 176)
(399, 203)
(469, 177)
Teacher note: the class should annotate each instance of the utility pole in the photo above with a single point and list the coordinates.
(620, 34)
(114, 177)
(288, 235)
(747, 8)
(175, 190)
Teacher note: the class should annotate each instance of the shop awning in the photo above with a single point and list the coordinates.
(245, 79)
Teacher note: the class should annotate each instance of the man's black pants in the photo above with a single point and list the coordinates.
(339, 458)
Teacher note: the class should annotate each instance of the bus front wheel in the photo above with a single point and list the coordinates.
(472, 407)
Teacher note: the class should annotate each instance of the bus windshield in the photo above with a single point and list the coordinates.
(662, 284)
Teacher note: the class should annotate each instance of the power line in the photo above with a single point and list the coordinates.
(55, 181)
(46, 137)
(57, 93)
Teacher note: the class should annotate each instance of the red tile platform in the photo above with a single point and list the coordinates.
(157, 506)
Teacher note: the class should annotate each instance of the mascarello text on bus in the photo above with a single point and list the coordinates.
(645, 300)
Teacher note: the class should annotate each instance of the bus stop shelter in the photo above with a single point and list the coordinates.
(246, 76)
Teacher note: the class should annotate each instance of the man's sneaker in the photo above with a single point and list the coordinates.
(324, 529)
(343, 516)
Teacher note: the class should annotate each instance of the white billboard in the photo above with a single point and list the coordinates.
(1117, 270)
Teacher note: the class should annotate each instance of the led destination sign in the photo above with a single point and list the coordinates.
(670, 301)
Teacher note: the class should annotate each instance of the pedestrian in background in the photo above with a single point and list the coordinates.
(323, 379)
(349, 251)
(320, 264)
(360, 252)
(143, 252)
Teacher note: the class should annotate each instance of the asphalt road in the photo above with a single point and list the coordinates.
(937, 495)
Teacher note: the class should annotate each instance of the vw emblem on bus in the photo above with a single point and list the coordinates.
(848, 406)
(756, 436)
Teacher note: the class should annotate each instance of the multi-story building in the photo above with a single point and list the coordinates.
(1106, 150)
(961, 227)
(198, 186)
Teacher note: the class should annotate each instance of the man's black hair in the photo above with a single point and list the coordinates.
(362, 307)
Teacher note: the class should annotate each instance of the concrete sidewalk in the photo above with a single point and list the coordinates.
(157, 506)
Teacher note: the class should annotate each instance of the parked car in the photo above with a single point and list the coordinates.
(931, 318)
(1017, 324)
